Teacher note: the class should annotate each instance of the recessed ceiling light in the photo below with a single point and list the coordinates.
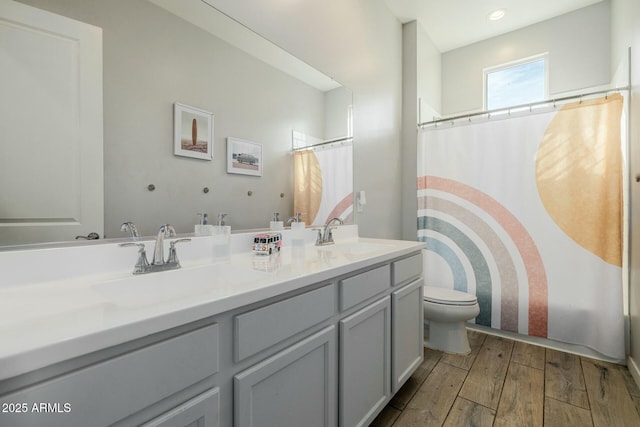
(497, 14)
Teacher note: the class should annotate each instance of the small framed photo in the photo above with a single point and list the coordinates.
(244, 157)
(192, 132)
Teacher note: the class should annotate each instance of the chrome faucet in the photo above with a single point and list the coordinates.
(295, 218)
(130, 227)
(159, 264)
(325, 236)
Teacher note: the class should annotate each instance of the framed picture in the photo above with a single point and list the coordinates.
(244, 157)
(192, 132)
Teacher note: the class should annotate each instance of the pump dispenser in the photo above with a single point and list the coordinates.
(203, 229)
(297, 227)
(276, 224)
(221, 239)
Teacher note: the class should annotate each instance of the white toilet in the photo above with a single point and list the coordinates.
(445, 312)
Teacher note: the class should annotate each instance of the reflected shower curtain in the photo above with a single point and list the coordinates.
(526, 213)
(323, 183)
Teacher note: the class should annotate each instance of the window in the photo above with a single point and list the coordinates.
(516, 84)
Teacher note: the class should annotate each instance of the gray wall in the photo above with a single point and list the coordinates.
(336, 103)
(358, 42)
(410, 100)
(421, 97)
(578, 44)
(626, 33)
(153, 59)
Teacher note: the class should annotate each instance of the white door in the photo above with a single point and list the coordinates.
(51, 162)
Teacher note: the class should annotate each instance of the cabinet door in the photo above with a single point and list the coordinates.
(296, 387)
(407, 337)
(201, 411)
(365, 363)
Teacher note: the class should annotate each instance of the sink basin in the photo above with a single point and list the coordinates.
(168, 286)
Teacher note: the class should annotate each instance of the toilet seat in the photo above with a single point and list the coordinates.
(446, 296)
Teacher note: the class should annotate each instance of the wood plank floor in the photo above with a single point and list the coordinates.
(513, 384)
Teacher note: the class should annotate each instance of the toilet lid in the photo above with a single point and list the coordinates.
(448, 296)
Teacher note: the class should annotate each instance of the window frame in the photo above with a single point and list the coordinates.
(511, 64)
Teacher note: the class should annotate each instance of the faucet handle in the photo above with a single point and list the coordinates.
(329, 236)
(173, 257)
(142, 264)
(319, 236)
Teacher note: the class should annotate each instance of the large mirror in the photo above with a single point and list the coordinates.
(156, 53)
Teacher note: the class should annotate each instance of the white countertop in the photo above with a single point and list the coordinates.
(45, 322)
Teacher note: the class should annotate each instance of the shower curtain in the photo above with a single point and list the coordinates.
(525, 212)
(323, 183)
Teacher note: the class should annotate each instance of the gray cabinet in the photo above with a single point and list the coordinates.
(201, 411)
(295, 387)
(407, 332)
(112, 390)
(365, 363)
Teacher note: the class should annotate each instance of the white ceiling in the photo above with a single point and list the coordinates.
(455, 23)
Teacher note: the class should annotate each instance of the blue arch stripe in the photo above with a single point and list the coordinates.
(477, 260)
(442, 249)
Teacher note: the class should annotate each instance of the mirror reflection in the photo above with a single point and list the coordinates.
(156, 53)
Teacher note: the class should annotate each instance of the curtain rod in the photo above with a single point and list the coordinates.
(329, 141)
(515, 107)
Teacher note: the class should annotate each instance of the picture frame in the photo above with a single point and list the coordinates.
(244, 157)
(192, 132)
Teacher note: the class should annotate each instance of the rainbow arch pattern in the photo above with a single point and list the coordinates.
(457, 247)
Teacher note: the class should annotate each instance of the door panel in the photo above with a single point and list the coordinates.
(51, 162)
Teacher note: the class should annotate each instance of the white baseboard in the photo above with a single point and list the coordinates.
(633, 370)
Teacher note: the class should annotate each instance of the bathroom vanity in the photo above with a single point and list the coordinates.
(311, 336)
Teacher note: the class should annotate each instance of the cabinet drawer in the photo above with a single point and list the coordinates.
(406, 269)
(356, 289)
(104, 393)
(201, 411)
(260, 329)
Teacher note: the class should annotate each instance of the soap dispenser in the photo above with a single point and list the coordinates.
(295, 223)
(203, 229)
(297, 229)
(276, 224)
(221, 239)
